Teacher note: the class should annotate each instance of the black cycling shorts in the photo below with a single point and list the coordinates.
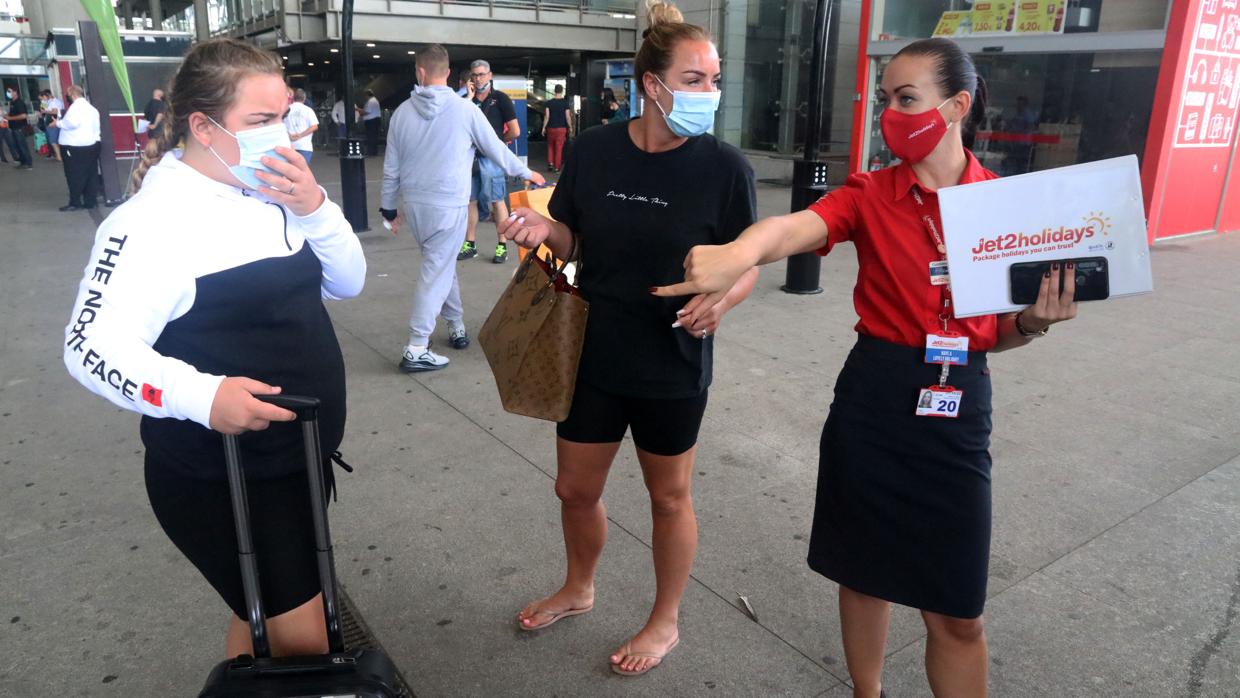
(664, 427)
(197, 515)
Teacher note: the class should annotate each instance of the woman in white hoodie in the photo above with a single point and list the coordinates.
(204, 290)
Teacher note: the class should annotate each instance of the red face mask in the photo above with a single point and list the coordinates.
(912, 137)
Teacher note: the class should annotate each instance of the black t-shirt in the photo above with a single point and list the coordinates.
(638, 215)
(498, 110)
(555, 113)
(609, 108)
(154, 108)
(17, 107)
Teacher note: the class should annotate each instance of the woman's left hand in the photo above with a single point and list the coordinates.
(294, 187)
(700, 318)
(1053, 305)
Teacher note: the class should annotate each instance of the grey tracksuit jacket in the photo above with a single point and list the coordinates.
(430, 150)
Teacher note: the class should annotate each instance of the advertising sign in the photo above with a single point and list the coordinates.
(993, 16)
(1083, 211)
(1211, 94)
(1039, 16)
(952, 24)
(515, 87)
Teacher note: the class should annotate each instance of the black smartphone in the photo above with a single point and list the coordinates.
(1093, 282)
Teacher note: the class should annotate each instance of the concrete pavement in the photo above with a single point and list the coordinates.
(1116, 555)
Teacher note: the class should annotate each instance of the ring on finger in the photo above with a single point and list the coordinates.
(291, 187)
(705, 334)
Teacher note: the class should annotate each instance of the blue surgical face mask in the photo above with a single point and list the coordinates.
(693, 113)
(253, 144)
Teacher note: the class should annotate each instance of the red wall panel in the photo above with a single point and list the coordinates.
(1196, 119)
(1229, 214)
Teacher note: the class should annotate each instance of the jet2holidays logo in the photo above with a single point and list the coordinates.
(1093, 227)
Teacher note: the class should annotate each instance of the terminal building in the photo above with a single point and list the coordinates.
(1070, 81)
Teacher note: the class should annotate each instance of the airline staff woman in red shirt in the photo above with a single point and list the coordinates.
(903, 504)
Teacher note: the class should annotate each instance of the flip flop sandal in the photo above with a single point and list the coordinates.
(658, 658)
(554, 617)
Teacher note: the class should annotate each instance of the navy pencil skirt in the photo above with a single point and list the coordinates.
(903, 504)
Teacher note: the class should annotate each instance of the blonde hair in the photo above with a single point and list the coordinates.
(667, 29)
(206, 82)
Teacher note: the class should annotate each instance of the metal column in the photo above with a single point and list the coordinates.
(99, 88)
(352, 152)
(202, 22)
(809, 176)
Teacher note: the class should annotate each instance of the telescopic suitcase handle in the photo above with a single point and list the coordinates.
(307, 410)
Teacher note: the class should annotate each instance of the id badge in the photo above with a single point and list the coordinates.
(938, 273)
(938, 401)
(947, 349)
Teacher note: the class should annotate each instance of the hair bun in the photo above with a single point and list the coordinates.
(658, 13)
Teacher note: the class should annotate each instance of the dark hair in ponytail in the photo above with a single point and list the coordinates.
(956, 73)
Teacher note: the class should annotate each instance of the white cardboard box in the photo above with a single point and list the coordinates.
(1089, 210)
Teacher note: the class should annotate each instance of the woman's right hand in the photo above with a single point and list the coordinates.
(235, 409)
(710, 271)
(526, 227)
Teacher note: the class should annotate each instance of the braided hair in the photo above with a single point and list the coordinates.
(206, 82)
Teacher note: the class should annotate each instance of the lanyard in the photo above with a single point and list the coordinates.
(937, 238)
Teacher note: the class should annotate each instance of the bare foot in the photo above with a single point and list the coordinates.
(543, 612)
(647, 648)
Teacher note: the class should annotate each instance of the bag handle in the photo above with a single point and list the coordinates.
(307, 410)
(557, 273)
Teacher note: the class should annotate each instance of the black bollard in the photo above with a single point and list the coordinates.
(353, 183)
(809, 183)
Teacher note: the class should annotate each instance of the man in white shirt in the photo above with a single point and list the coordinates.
(79, 147)
(301, 122)
(52, 109)
(338, 118)
(372, 116)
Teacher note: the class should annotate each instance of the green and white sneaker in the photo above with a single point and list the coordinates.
(501, 253)
(469, 250)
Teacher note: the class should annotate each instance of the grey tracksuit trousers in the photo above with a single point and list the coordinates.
(439, 233)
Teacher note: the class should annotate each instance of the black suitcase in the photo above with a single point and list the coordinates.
(359, 673)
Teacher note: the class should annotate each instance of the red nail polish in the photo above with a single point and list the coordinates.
(1047, 275)
(1071, 265)
(1055, 267)
(652, 289)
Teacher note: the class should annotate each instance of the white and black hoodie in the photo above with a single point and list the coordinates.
(191, 281)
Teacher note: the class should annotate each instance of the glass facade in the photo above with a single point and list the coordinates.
(1051, 110)
(766, 47)
(917, 19)
(1055, 98)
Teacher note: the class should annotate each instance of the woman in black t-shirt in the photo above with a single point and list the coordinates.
(666, 187)
(557, 128)
(610, 105)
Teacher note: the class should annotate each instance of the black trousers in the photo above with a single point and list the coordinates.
(81, 173)
(372, 135)
(15, 139)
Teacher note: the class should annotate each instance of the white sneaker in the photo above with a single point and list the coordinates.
(421, 359)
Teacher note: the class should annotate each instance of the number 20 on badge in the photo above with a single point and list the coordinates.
(939, 402)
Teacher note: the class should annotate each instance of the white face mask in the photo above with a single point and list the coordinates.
(693, 113)
(253, 144)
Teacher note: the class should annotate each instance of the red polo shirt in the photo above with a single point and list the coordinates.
(893, 295)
